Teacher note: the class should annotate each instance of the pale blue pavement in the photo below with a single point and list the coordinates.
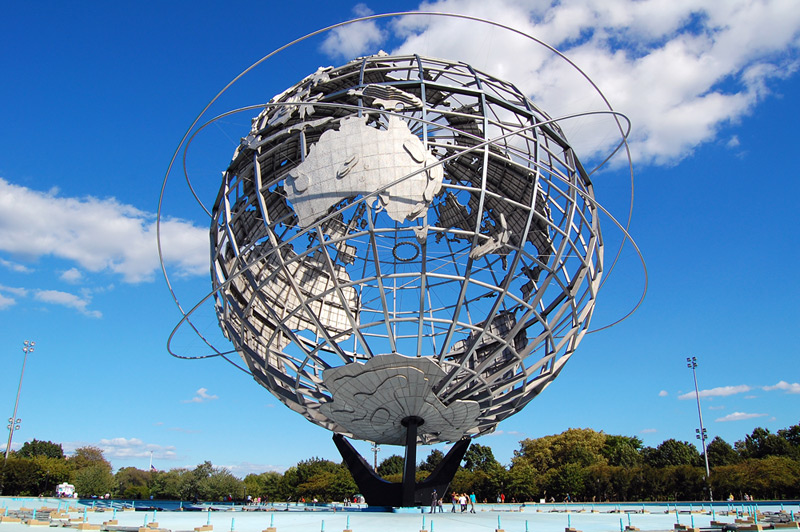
(489, 517)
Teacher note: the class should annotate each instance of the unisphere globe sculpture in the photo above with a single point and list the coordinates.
(402, 242)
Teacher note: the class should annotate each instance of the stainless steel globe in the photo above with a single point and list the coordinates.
(404, 237)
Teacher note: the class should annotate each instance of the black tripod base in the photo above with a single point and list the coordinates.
(379, 492)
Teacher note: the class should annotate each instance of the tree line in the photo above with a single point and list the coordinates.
(576, 465)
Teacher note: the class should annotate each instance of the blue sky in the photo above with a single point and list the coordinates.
(96, 96)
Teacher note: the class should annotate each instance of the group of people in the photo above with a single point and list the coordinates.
(458, 499)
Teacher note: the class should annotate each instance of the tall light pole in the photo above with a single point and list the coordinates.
(701, 432)
(14, 421)
(375, 449)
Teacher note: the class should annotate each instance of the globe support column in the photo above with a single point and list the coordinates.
(411, 424)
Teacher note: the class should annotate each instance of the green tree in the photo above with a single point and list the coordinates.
(622, 483)
(92, 472)
(270, 486)
(486, 483)
(622, 450)
(94, 480)
(433, 460)
(40, 448)
(582, 447)
(729, 480)
(647, 483)
(190, 482)
(342, 485)
(762, 443)
(219, 485)
(462, 483)
(614, 483)
(671, 453)
(132, 483)
(50, 473)
(566, 480)
(535, 452)
(523, 483)
(20, 477)
(88, 456)
(599, 483)
(306, 469)
(579, 446)
(685, 482)
(168, 484)
(392, 465)
(321, 479)
(772, 477)
(720, 453)
(479, 458)
(791, 435)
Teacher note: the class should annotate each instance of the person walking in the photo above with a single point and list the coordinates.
(472, 501)
(434, 501)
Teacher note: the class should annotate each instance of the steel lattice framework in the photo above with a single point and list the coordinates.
(405, 212)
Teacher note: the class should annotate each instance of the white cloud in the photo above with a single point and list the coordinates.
(66, 299)
(243, 469)
(14, 290)
(355, 39)
(201, 396)
(135, 448)
(14, 266)
(6, 291)
(97, 234)
(784, 386)
(648, 431)
(362, 10)
(739, 416)
(73, 275)
(6, 302)
(121, 441)
(722, 391)
(53, 297)
(663, 393)
(680, 70)
(504, 433)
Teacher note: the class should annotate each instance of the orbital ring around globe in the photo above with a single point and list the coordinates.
(386, 153)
